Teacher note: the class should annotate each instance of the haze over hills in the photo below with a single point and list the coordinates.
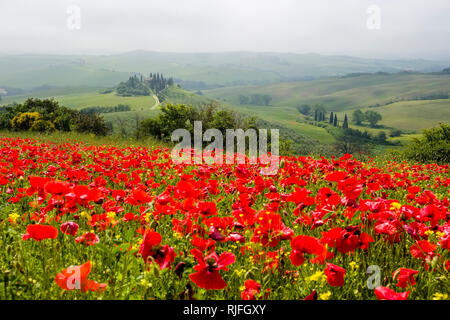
(409, 94)
(192, 70)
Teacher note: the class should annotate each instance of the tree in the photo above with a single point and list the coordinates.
(304, 109)
(267, 99)
(243, 99)
(350, 141)
(358, 117)
(433, 146)
(372, 117)
(93, 123)
(315, 115)
(335, 120)
(331, 117)
(395, 133)
(345, 124)
(381, 136)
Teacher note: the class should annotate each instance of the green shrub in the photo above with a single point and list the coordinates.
(433, 146)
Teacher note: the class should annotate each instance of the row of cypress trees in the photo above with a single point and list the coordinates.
(319, 116)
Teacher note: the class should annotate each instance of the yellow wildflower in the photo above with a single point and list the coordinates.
(145, 283)
(13, 217)
(111, 215)
(315, 277)
(325, 296)
(354, 265)
(440, 296)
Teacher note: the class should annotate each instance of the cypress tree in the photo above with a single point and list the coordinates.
(345, 124)
(315, 115)
(331, 117)
(335, 121)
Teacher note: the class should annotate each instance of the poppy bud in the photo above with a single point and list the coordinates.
(312, 295)
(179, 269)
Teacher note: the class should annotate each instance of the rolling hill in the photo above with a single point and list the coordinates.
(405, 100)
(192, 70)
(343, 93)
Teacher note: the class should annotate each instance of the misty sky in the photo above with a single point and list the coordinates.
(408, 28)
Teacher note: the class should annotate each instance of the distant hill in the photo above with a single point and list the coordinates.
(407, 101)
(348, 92)
(192, 70)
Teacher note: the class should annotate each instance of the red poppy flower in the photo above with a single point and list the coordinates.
(336, 176)
(405, 277)
(305, 244)
(76, 278)
(335, 275)
(69, 228)
(40, 232)
(384, 293)
(251, 289)
(346, 240)
(151, 247)
(393, 229)
(207, 208)
(57, 188)
(89, 239)
(203, 244)
(423, 249)
(207, 275)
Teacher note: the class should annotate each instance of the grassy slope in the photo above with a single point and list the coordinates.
(414, 115)
(141, 106)
(85, 97)
(340, 94)
(347, 94)
(89, 139)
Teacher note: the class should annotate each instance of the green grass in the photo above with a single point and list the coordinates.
(415, 115)
(176, 95)
(339, 94)
(138, 103)
(50, 92)
(81, 98)
(347, 94)
(88, 139)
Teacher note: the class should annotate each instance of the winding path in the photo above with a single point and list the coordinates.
(156, 103)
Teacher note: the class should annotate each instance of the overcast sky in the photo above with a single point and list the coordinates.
(407, 28)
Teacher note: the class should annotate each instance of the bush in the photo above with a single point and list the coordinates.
(42, 125)
(395, 133)
(433, 146)
(25, 120)
(92, 124)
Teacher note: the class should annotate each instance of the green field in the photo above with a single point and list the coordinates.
(339, 94)
(345, 94)
(415, 115)
(87, 97)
